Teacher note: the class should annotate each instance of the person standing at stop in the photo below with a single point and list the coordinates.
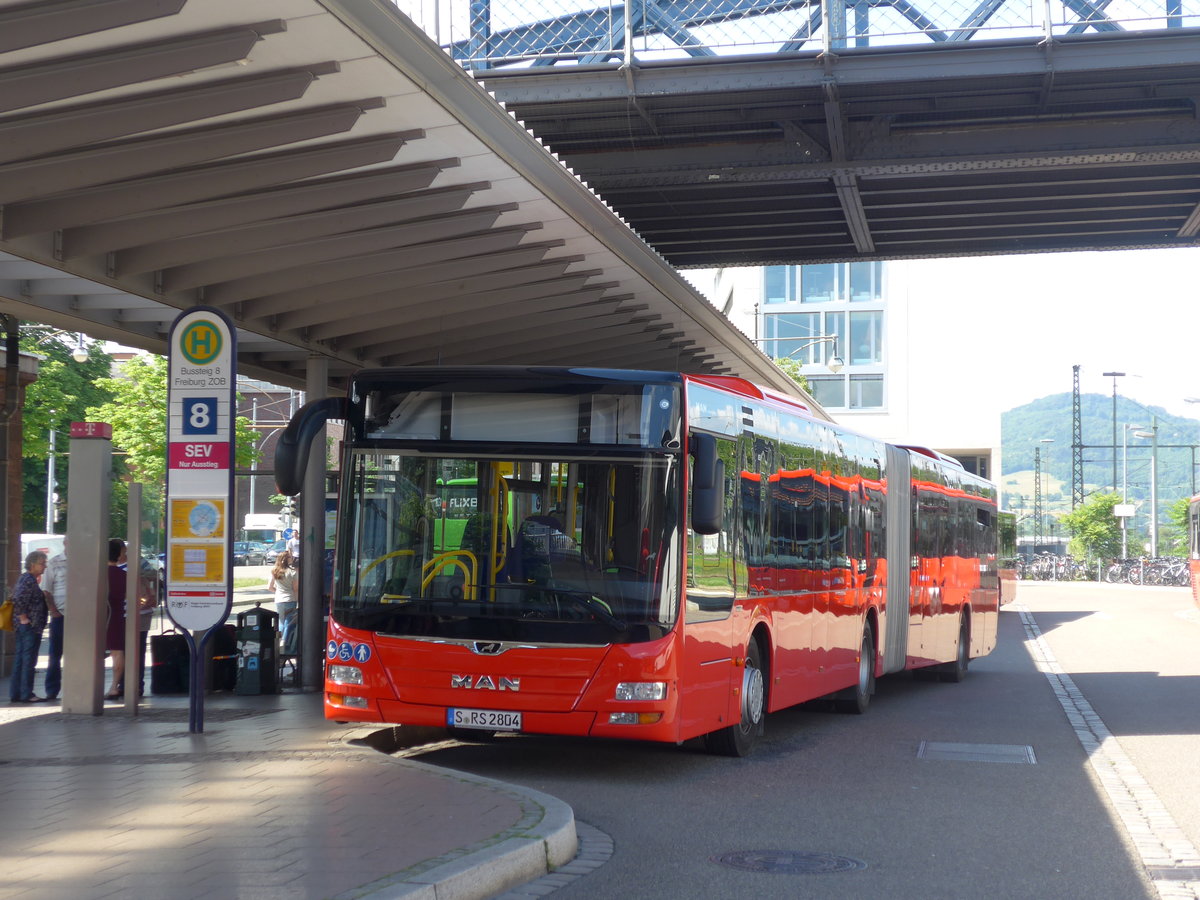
(284, 583)
(29, 619)
(54, 587)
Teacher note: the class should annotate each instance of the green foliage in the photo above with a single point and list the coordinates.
(791, 368)
(138, 415)
(1095, 531)
(1173, 536)
(63, 392)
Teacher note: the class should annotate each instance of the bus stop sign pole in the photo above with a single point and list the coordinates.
(200, 456)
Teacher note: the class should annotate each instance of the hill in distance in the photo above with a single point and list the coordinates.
(1023, 428)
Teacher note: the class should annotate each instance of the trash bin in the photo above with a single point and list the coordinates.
(257, 665)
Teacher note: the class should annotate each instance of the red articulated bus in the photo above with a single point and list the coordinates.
(648, 555)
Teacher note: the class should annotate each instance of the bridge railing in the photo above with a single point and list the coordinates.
(484, 34)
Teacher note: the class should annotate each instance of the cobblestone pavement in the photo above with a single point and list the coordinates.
(271, 800)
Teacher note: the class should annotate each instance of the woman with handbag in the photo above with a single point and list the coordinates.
(29, 614)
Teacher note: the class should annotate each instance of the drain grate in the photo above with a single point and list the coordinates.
(788, 862)
(996, 753)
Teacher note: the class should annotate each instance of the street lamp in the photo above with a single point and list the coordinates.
(1125, 511)
(79, 354)
(1153, 435)
(51, 482)
(834, 363)
(1114, 376)
(1125, 459)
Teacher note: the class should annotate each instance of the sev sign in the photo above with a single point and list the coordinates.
(200, 454)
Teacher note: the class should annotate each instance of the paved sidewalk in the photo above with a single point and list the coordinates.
(271, 801)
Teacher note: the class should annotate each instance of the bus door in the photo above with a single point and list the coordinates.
(713, 573)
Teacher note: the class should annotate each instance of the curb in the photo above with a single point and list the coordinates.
(542, 840)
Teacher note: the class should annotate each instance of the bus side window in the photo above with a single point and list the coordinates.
(711, 557)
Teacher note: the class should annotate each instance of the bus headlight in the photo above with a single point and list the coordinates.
(345, 675)
(641, 690)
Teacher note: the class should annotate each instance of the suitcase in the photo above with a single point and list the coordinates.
(168, 663)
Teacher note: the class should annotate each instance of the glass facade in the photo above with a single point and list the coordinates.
(812, 313)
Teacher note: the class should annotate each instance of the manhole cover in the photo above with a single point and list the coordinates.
(788, 863)
(996, 753)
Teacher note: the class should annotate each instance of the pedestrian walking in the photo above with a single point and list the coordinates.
(54, 588)
(29, 615)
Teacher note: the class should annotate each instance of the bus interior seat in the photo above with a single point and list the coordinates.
(531, 559)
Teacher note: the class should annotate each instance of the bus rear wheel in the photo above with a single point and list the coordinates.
(957, 671)
(739, 739)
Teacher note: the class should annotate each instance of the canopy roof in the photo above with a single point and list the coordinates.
(326, 176)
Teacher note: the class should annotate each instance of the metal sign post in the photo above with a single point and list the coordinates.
(200, 456)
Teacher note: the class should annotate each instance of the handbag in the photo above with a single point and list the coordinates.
(6, 615)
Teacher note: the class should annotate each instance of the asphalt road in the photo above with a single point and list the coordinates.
(1025, 815)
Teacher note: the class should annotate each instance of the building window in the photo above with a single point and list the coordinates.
(866, 391)
(785, 335)
(866, 339)
(820, 283)
(779, 284)
(866, 282)
(828, 390)
(844, 290)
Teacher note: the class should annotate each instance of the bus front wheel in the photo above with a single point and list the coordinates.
(739, 739)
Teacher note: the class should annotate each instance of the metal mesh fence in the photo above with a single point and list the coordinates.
(485, 34)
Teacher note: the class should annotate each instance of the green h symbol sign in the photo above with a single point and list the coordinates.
(200, 342)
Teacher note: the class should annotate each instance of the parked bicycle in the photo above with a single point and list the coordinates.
(1164, 570)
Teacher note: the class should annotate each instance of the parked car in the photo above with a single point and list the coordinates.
(248, 553)
(272, 552)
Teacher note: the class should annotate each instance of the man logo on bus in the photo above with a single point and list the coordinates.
(201, 342)
(485, 683)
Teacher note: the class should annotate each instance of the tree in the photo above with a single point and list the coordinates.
(1095, 531)
(62, 393)
(791, 368)
(1174, 538)
(138, 415)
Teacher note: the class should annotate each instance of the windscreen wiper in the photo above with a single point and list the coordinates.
(592, 604)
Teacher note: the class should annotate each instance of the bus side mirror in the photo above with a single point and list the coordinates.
(291, 452)
(708, 485)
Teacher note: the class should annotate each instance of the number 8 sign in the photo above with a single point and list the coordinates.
(199, 415)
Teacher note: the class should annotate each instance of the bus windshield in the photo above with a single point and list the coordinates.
(578, 551)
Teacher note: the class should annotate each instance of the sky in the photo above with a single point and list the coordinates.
(1131, 311)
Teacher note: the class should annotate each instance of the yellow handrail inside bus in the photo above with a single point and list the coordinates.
(450, 560)
(386, 597)
(386, 556)
(498, 552)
